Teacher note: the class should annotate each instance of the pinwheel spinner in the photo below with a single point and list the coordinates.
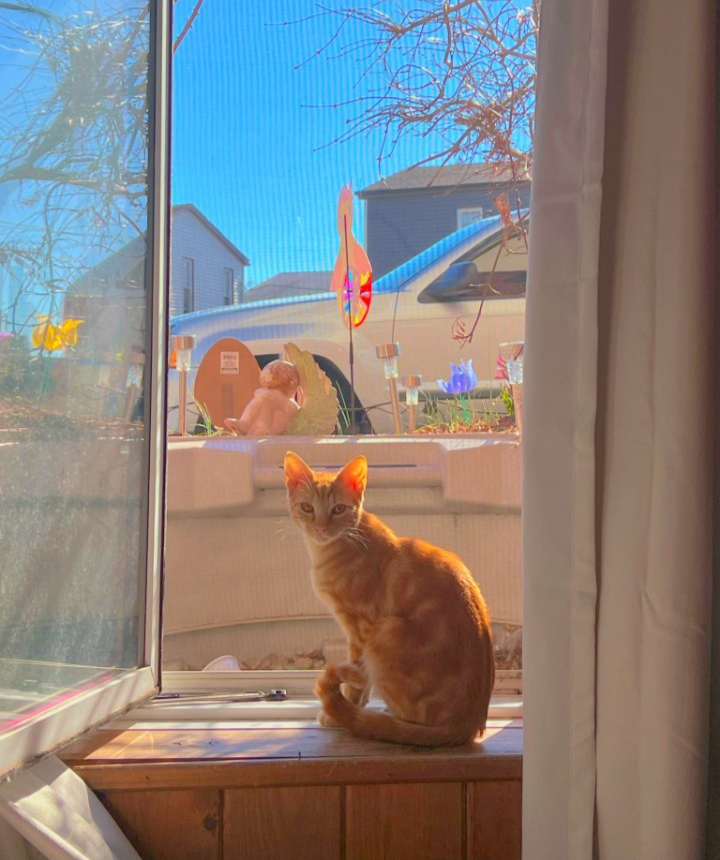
(352, 275)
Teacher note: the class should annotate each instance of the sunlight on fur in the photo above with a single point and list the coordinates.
(417, 626)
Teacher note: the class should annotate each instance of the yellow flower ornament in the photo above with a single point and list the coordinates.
(48, 336)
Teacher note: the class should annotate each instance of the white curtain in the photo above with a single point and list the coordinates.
(48, 812)
(617, 464)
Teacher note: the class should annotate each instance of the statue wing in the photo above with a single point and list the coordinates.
(318, 399)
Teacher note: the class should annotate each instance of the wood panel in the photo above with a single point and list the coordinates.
(275, 741)
(414, 821)
(282, 824)
(166, 825)
(281, 755)
(494, 826)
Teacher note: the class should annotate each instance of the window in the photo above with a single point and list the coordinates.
(188, 285)
(228, 287)
(469, 216)
(82, 270)
(494, 268)
(238, 594)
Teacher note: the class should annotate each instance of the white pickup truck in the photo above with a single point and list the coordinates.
(416, 305)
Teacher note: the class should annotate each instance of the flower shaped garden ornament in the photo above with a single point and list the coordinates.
(462, 379)
(45, 335)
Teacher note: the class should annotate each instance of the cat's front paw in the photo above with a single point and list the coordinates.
(326, 720)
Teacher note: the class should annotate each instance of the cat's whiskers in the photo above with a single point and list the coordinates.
(355, 536)
(283, 530)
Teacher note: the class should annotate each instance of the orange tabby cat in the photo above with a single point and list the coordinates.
(417, 626)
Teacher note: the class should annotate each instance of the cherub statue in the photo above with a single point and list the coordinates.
(318, 399)
(272, 407)
(273, 411)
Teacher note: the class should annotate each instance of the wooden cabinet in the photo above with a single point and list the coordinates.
(407, 821)
(305, 794)
(278, 823)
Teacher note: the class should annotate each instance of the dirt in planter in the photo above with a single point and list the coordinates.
(501, 424)
(21, 420)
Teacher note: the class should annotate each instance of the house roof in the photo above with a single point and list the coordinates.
(190, 207)
(290, 284)
(447, 176)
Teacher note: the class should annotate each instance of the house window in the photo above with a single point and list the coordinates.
(188, 285)
(228, 287)
(469, 216)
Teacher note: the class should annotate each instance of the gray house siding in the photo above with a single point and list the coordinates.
(401, 224)
(191, 238)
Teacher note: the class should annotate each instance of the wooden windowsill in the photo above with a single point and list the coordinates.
(228, 755)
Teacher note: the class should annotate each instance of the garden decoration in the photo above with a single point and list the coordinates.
(52, 337)
(293, 397)
(352, 281)
(463, 379)
(272, 407)
(389, 352)
(182, 348)
(509, 369)
(226, 381)
(317, 398)
(412, 396)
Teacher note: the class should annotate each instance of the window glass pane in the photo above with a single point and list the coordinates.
(73, 331)
(229, 286)
(188, 285)
(469, 216)
(277, 107)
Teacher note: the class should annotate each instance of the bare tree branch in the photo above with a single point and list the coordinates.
(188, 24)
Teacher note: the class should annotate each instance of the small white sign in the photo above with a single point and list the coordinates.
(229, 362)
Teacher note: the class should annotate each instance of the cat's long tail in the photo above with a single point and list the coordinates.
(379, 726)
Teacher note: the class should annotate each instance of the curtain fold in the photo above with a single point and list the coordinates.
(617, 464)
(48, 812)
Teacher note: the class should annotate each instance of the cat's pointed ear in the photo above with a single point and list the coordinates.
(297, 471)
(353, 476)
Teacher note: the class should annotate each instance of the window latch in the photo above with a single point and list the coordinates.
(275, 695)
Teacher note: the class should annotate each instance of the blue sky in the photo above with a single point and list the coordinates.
(248, 153)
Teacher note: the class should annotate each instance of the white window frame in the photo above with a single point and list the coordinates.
(228, 296)
(466, 210)
(301, 704)
(188, 284)
(63, 722)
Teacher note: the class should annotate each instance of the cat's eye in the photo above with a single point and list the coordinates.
(307, 507)
(339, 509)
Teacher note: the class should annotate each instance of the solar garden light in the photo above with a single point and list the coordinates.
(412, 398)
(389, 353)
(183, 345)
(515, 378)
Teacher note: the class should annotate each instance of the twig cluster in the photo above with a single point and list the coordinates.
(460, 73)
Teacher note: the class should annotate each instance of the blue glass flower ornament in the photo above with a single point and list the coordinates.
(462, 378)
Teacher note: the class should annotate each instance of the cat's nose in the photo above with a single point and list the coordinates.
(321, 529)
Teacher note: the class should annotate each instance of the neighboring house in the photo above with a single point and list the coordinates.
(289, 284)
(207, 270)
(409, 211)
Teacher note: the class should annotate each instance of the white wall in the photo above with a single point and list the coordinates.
(191, 238)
